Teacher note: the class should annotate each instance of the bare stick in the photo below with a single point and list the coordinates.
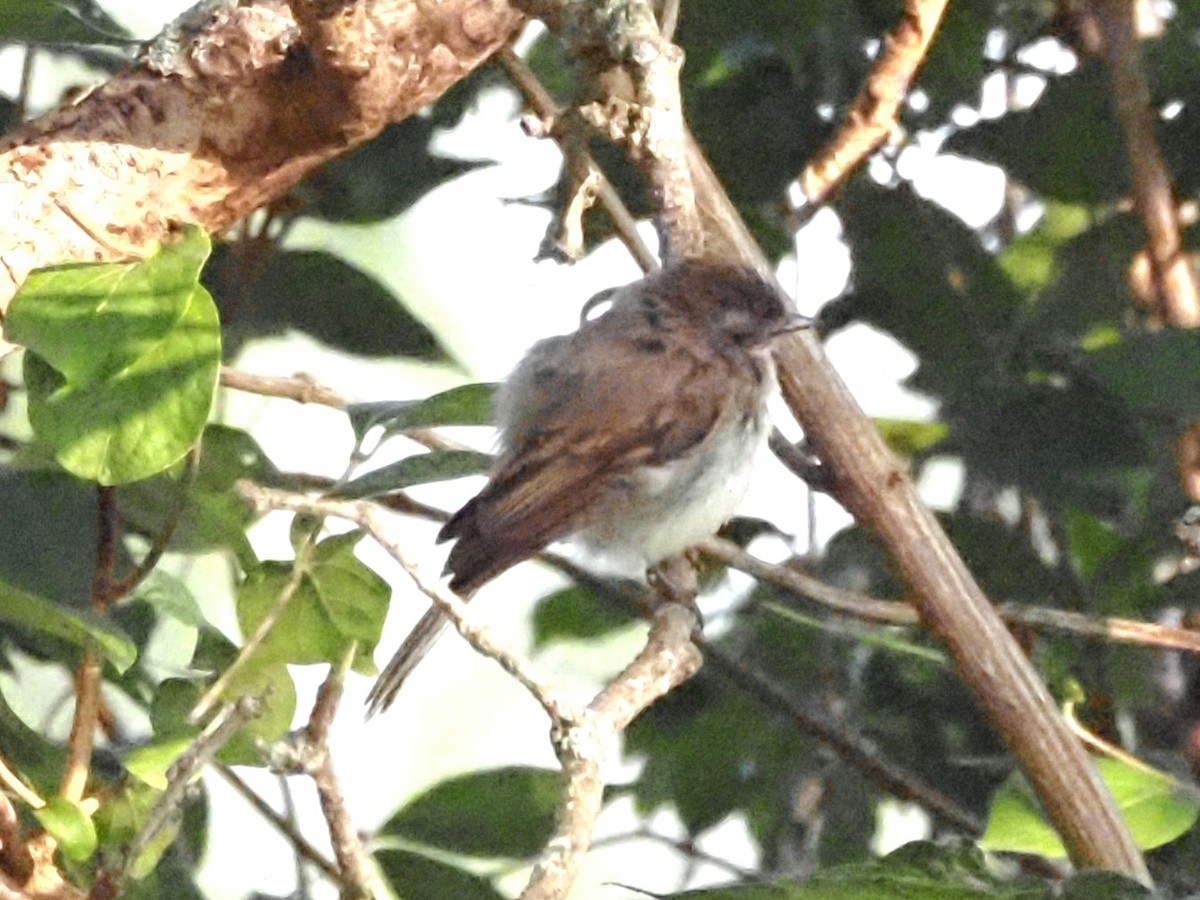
(895, 612)
(669, 658)
(353, 864)
(281, 824)
(366, 516)
(218, 732)
(1110, 30)
(873, 116)
(300, 388)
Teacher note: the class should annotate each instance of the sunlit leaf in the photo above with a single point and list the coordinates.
(123, 360)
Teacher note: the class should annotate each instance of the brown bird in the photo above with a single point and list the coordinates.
(636, 434)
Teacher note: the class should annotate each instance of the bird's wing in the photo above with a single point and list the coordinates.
(574, 438)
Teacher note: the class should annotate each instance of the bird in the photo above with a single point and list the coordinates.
(635, 435)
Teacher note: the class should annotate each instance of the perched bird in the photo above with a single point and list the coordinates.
(636, 434)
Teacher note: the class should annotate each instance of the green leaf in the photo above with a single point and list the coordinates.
(1030, 259)
(123, 360)
(322, 295)
(276, 692)
(212, 516)
(168, 596)
(58, 22)
(34, 758)
(1156, 808)
(1155, 372)
(469, 404)
(573, 613)
(70, 826)
(152, 761)
(49, 542)
(502, 812)
(339, 600)
(24, 610)
(438, 465)
(907, 437)
(172, 704)
(415, 875)
(123, 817)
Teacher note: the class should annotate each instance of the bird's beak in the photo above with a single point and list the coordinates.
(794, 322)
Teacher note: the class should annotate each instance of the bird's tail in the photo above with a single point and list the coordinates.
(411, 652)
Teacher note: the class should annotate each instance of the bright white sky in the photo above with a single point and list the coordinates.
(496, 303)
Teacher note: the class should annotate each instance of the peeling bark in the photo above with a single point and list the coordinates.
(208, 130)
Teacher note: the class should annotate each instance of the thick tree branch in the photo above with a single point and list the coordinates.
(208, 130)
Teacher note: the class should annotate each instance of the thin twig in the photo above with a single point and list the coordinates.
(88, 676)
(10, 780)
(26, 83)
(190, 764)
(353, 864)
(539, 100)
(894, 612)
(685, 848)
(300, 388)
(282, 825)
(128, 583)
(874, 114)
(365, 515)
(852, 747)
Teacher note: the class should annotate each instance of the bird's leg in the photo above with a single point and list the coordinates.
(803, 461)
(674, 581)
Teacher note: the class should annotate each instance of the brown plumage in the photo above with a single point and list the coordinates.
(634, 433)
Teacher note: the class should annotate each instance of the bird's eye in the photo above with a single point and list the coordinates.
(597, 306)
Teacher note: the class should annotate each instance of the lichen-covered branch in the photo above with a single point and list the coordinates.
(226, 119)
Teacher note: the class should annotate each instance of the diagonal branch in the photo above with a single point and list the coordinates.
(224, 117)
(1110, 30)
(874, 114)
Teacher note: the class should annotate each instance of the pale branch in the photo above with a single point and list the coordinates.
(895, 612)
(649, 122)
(299, 388)
(1110, 31)
(353, 862)
(874, 115)
(304, 388)
(12, 783)
(225, 119)
(669, 658)
(366, 516)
